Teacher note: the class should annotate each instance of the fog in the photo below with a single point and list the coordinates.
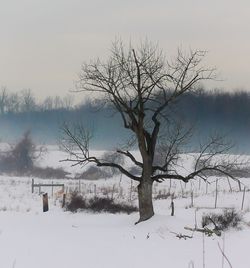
(221, 112)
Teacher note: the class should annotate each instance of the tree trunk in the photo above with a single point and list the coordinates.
(145, 199)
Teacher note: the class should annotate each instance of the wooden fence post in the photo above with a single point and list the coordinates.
(170, 185)
(216, 194)
(79, 186)
(192, 199)
(230, 187)
(182, 192)
(45, 202)
(120, 181)
(52, 189)
(113, 191)
(172, 206)
(243, 198)
(131, 188)
(32, 186)
(63, 200)
(239, 184)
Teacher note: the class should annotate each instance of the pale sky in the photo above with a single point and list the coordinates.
(44, 42)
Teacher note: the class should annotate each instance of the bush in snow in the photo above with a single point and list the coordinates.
(104, 204)
(97, 204)
(229, 218)
(76, 202)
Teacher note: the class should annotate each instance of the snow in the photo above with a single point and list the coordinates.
(30, 238)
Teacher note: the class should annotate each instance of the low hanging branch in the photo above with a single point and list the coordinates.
(131, 157)
(212, 160)
(205, 230)
(81, 143)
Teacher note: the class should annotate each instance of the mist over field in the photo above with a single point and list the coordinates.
(207, 112)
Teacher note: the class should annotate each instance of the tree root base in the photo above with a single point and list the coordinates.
(144, 219)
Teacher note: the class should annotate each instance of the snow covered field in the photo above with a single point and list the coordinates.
(30, 238)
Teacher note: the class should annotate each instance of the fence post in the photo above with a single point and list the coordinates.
(131, 188)
(45, 202)
(230, 187)
(79, 190)
(172, 206)
(63, 200)
(32, 186)
(113, 191)
(182, 192)
(170, 185)
(243, 198)
(52, 189)
(239, 184)
(192, 199)
(195, 218)
(216, 194)
(120, 181)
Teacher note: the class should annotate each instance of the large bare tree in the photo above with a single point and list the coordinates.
(143, 87)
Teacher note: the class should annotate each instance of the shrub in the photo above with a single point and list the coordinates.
(103, 204)
(76, 202)
(97, 204)
(229, 218)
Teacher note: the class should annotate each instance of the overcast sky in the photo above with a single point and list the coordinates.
(44, 42)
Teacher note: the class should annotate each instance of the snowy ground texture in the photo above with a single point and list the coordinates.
(30, 238)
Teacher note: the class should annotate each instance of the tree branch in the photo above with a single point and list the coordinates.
(132, 158)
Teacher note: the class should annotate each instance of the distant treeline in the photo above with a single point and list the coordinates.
(223, 112)
(25, 102)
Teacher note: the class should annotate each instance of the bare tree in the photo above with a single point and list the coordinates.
(57, 102)
(143, 88)
(28, 102)
(68, 101)
(3, 99)
(13, 105)
(47, 104)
